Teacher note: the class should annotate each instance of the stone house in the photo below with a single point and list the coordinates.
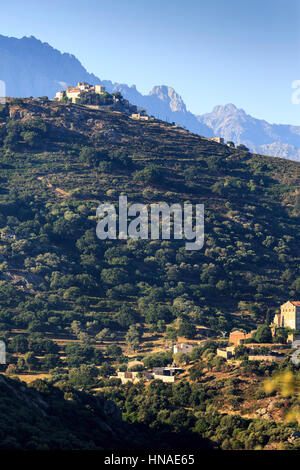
(166, 374)
(59, 95)
(73, 94)
(238, 337)
(266, 358)
(219, 140)
(99, 89)
(83, 86)
(140, 117)
(184, 348)
(222, 352)
(289, 316)
(293, 337)
(128, 377)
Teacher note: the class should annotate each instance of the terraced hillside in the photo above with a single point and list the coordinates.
(59, 162)
(74, 308)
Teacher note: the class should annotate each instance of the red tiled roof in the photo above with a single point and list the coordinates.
(296, 303)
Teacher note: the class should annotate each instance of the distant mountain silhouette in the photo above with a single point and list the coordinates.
(30, 67)
(162, 102)
(260, 136)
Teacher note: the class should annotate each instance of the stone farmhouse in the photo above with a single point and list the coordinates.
(141, 116)
(219, 140)
(182, 348)
(267, 357)
(289, 316)
(238, 337)
(166, 374)
(127, 377)
(226, 353)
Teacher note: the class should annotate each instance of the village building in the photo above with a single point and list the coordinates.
(238, 337)
(59, 95)
(219, 140)
(99, 89)
(222, 352)
(184, 348)
(292, 337)
(140, 117)
(266, 358)
(147, 375)
(272, 346)
(166, 374)
(83, 86)
(127, 377)
(289, 316)
(73, 93)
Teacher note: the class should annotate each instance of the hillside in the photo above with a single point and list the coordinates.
(43, 417)
(51, 185)
(75, 309)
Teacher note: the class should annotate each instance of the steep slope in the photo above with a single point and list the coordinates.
(59, 161)
(61, 288)
(260, 136)
(43, 417)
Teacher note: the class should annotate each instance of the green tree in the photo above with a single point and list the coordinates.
(30, 360)
(263, 334)
(133, 338)
(187, 329)
(83, 377)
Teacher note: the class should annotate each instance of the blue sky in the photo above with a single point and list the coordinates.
(212, 52)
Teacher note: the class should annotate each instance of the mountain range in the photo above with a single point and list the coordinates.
(30, 67)
(260, 136)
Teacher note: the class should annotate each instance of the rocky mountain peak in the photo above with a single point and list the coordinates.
(169, 96)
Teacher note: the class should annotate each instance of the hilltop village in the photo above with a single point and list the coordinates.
(96, 97)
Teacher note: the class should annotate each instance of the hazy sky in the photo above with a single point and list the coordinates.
(212, 52)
